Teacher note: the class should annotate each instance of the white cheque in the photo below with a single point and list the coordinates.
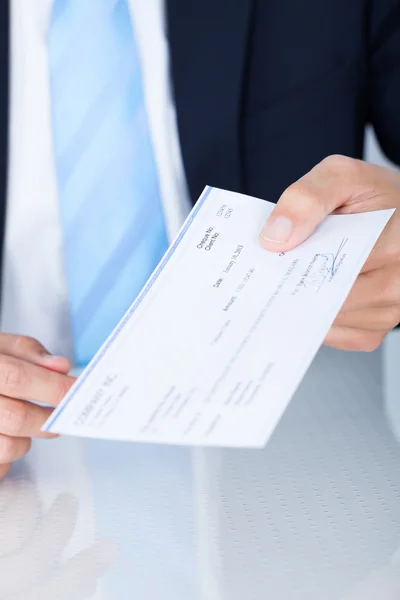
(214, 347)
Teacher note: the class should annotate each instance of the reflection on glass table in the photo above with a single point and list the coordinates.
(32, 543)
(316, 514)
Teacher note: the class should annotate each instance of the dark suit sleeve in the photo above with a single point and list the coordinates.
(383, 108)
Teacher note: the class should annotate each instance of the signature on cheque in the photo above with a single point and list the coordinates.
(323, 267)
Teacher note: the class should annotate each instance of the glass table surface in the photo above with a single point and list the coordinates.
(316, 514)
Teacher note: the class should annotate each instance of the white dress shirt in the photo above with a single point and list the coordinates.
(34, 294)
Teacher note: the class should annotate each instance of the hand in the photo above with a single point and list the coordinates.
(28, 373)
(343, 185)
(33, 541)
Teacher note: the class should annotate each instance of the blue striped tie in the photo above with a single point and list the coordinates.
(113, 225)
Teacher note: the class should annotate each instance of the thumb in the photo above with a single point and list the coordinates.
(305, 204)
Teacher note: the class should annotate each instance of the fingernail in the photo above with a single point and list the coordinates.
(277, 229)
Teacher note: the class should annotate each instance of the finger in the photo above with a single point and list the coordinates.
(30, 350)
(370, 319)
(4, 470)
(334, 182)
(380, 288)
(25, 381)
(354, 340)
(23, 419)
(12, 449)
(386, 251)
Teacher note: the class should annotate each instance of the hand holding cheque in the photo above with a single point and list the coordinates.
(27, 373)
(341, 185)
(212, 352)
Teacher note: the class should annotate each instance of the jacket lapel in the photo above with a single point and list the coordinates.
(4, 102)
(208, 44)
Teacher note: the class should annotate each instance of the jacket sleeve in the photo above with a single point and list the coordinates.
(383, 109)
